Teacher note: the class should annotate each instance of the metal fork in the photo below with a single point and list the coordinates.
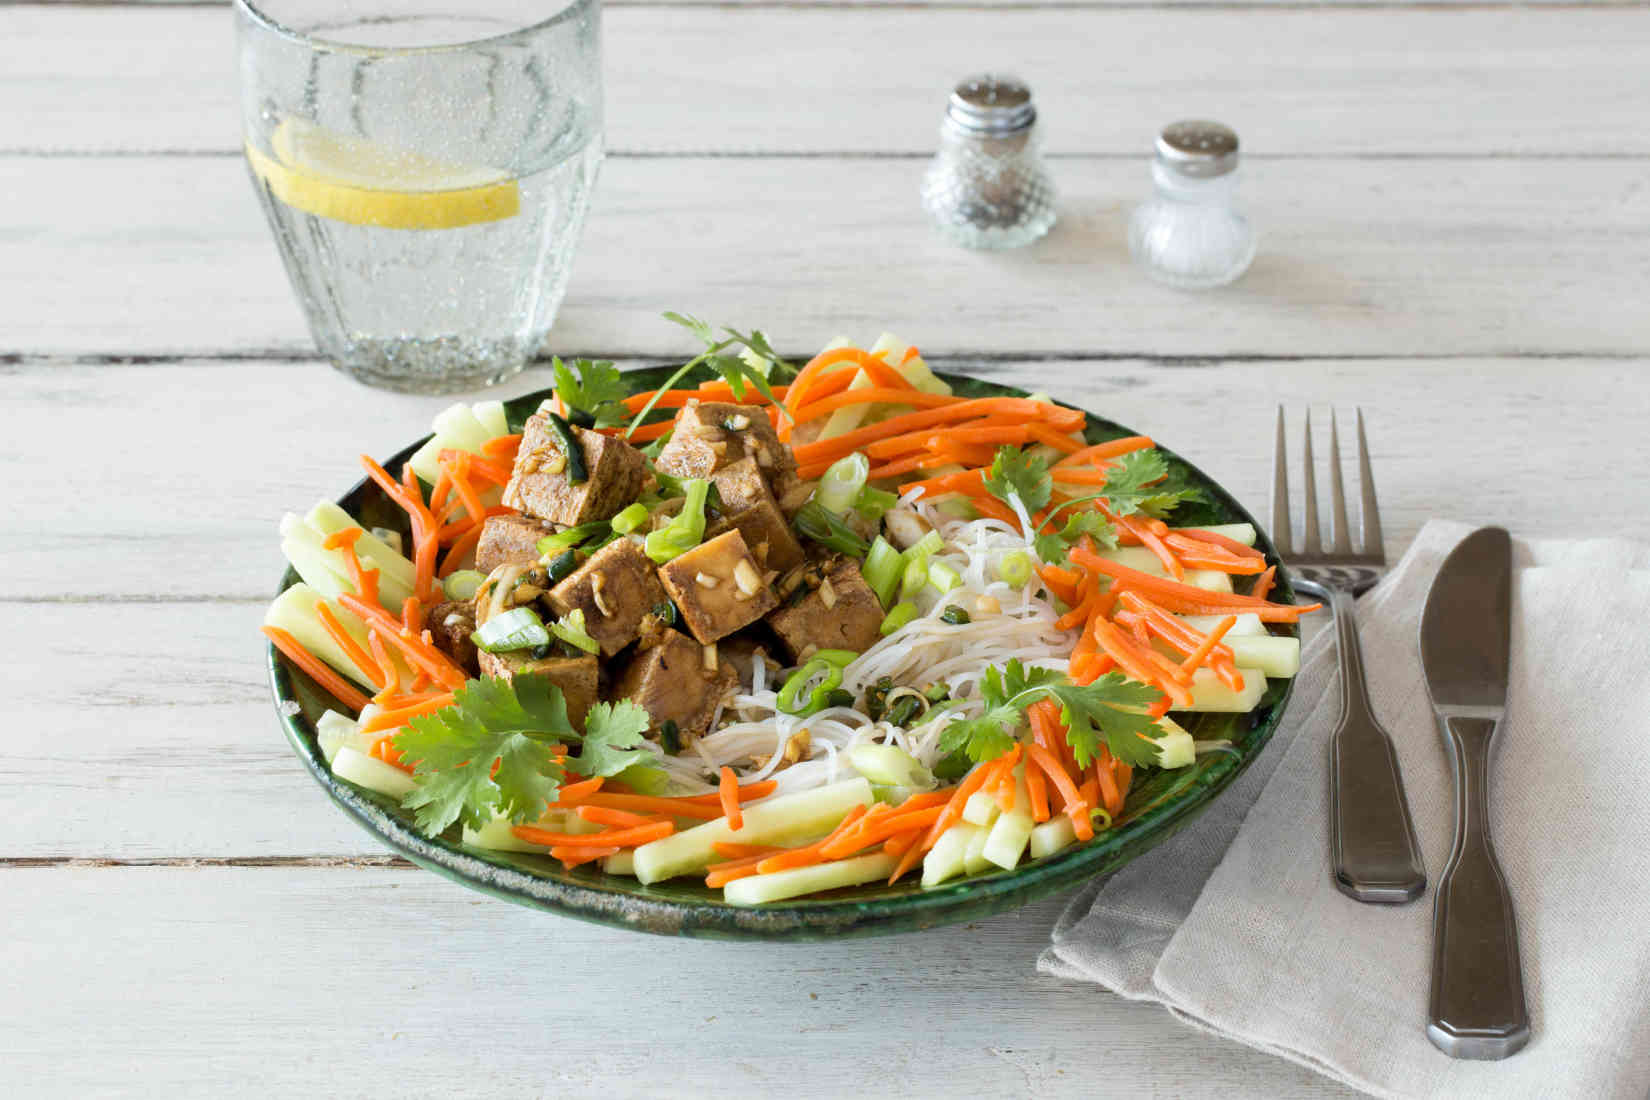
(1372, 839)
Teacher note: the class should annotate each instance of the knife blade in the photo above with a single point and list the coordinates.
(1476, 1008)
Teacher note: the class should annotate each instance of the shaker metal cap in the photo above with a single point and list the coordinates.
(1198, 149)
(991, 104)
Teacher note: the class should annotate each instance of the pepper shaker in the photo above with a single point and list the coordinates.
(1190, 233)
(987, 187)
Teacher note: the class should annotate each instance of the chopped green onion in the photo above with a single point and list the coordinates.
(1015, 568)
(576, 472)
(463, 584)
(836, 658)
(686, 530)
(930, 543)
(670, 736)
(914, 578)
(873, 504)
(630, 519)
(813, 522)
(570, 629)
(561, 540)
(838, 697)
(665, 612)
(819, 697)
(943, 577)
(518, 628)
(882, 569)
(560, 566)
(898, 615)
(956, 616)
(840, 486)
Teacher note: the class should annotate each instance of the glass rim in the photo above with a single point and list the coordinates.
(250, 10)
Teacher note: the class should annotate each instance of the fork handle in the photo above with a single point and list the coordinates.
(1373, 849)
(1477, 1007)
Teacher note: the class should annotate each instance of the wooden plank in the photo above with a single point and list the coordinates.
(1367, 258)
(1296, 81)
(315, 981)
(1450, 437)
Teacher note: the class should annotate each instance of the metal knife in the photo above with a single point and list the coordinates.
(1477, 1007)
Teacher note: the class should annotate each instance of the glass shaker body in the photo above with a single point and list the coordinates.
(1190, 234)
(986, 186)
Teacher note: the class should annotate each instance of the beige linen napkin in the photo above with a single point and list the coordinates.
(1234, 926)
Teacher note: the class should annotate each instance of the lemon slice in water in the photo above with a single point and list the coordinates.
(363, 183)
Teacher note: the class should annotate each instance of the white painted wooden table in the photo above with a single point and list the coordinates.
(1455, 204)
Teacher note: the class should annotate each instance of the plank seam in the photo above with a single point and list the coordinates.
(207, 862)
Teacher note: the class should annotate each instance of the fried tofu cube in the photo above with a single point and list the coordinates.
(718, 587)
(766, 533)
(712, 435)
(842, 612)
(576, 676)
(615, 589)
(670, 680)
(450, 625)
(539, 483)
(510, 539)
(741, 485)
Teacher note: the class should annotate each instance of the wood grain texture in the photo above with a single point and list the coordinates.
(324, 982)
(1308, 81)
(147, 256)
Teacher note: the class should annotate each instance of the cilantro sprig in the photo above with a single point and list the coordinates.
(489, 753)
(738, 371)
(1141, 481)
(593, 391)
(1112, 710)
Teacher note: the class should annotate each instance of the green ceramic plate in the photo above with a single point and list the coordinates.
(1159, 804)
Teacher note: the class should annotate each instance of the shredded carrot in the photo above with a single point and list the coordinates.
(810, 854)
(887, 469)
(571, 856)
(890, 824)
(605, 815)
(646, 804)
(572, 793)
(747, 793)
(418, 652)
(1263, 585)
(460, 548)
(615, 838)
(1201, 654)
(384, 749)
(352, 649)
(503, 446)
(823, 452)
(870, 395)
(1100, 452)
(949, 816)
(392, 719)
(899, 843)
(1185, 597)
(1051, 437)
(729, 850)
(730, 799)
(318, 671)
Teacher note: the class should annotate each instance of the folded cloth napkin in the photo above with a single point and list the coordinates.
(1235, 927)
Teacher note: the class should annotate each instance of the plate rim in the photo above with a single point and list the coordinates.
(581, 894)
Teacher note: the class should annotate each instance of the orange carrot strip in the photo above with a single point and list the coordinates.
(949, 816)
(384, 749)
(419, 652)
(605, 815)
(730, 799)
(1165, 591)
(969, 481)
(729, 850)
(503, 446)
(352, 649)
(1100, 452)
(1263, 586)
(610, 838)
(392, 719)
(1223, 541)
(874, 833)
(1110, 796)
(460, 547)
(1155, 545)
(1037, 791)
(747, 793)
(642, 803)
(871, 395)
(900, 843)
(647, 433)
(1048, 436)
(828, 450)
(877, 473)
(572, 793)
(1048, 764)
(810, 854)
(1201, 654)
(340, 688)
(572, 857)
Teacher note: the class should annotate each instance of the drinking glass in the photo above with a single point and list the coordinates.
(425, 166)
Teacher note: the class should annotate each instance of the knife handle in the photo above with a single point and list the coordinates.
(1477, 1007)
(1372, 847)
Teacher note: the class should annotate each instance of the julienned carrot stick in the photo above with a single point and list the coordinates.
(828, 450)
(886, 470)
(949, 816)
(1156, 545)
(369, 667)
(1100, 452)
(874, 833)
(1212, 639)
(646, 804)
(810, 854)
(420, 653)
(871, 395)
(969, 481)
(611, 838)
(573, 793)
(340, 688)
(1060, 441)
(605, 815)
(502, 447)
(391, 719)
(573, 857)
(747, 793)
(1263, 585)
(1185, 595)
(729, 850)
(460, 547)
(730, 799)
(1222, 541)
(1049, 765)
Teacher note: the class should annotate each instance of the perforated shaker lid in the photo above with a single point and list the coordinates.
(1198, 148)
(991, 104)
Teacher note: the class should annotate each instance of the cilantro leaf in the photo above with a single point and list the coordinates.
(701, 329)
(454, 750)
(1141, 481)
(736, 371)
(1111, 709)
(1004, 692)
(1017, 473)
(613, 739)
(738, 374)
(595, 394)
(1053, 545)
(757, 343)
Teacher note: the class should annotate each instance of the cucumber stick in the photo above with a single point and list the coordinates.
(1012, 828)
(1251, 646)
(1141, 559)
(1051, 836)
(761, 889)
(294, 612)
(334, 731)
(1211, 696)
(974, 860)
(622, 862)
(1247, 624)
(498, 835)
(890, 766)
(459, 427)
(327, 518)
(1237, 532)
(325, 571)
(373, 774)
(947, 858)
(786, 820)
(980, 809)
(1175, 748)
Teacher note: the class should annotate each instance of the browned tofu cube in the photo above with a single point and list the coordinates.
(718, 587)
(576, 676)
(712, 435)
(450, 625)
(539, 485)
(671, 681)
(766, 533)
(841, 613)
(614, 589)
(512, 539)
(741, 485)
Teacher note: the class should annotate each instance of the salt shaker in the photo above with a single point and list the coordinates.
(987, 187)
(1190, 234)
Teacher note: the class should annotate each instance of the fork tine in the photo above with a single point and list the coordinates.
(1311, 539)
(1280, 490)
(1340, 535)
(1371, 515)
